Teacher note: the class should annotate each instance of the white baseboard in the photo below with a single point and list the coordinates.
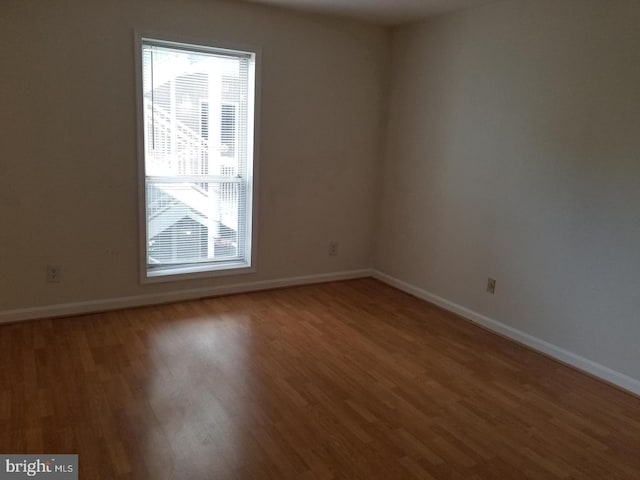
(607, 374)
(93, 306)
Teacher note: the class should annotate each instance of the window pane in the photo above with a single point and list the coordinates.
(193, 222)
(196, 124)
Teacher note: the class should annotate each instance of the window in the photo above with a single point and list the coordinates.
(197, 105)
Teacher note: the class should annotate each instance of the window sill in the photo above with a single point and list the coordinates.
(190, 272)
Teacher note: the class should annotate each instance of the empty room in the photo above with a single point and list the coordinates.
(320, 239)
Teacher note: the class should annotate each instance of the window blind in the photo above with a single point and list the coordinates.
(198, 117)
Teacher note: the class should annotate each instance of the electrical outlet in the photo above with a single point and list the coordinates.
(333, 249)
(491, 285)
(54, 273)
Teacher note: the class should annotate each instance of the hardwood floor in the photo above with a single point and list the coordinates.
(349, 380)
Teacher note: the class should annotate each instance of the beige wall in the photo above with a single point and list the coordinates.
(513, 152)
(68, 141)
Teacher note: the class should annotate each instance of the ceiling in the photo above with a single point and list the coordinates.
(384, 12)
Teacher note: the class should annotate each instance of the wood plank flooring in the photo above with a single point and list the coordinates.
(347, 380)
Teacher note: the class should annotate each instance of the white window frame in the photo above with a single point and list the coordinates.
(213, 269)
